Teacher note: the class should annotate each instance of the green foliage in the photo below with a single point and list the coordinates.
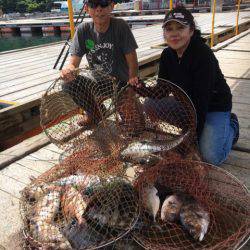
(25, 5)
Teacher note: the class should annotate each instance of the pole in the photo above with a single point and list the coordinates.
(237, 19)
(67, 41)
(212, 33)
(170, 4)
(71, 18)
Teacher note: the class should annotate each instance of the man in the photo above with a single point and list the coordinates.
(109, 46)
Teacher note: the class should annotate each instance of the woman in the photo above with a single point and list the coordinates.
(190, 63)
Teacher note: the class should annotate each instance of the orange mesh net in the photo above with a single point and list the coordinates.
(157, 111)
(78, 211)
(126, 178)
(195, 206)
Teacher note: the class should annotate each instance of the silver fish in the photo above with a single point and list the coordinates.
(143, 152)
(171, 207)
(195, 220)
(151, 200)
(41, 224)
(36, 191)
(82, 180)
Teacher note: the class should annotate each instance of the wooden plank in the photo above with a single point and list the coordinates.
(238, 164)
(239, 72)
(232, 54)
(19, 151)
(19, 173)
(36, 163)
(235, 39)
(10, 237)
(239, 47)
(11, 186)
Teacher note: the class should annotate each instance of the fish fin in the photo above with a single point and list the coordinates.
(201, 236)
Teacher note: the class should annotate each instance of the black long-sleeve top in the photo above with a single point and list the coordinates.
(198, 73)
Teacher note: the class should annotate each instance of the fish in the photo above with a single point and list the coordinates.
(171, 208)
(195, 220)
(73, 205)
(124, 243)
(42, 224)
(151, 200)
(109, 206)
(77, 180)
(83, 236)
(145, 152)
(35, 191)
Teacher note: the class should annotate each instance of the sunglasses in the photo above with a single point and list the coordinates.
(103, 4)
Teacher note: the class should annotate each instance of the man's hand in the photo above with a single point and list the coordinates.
(68, 74)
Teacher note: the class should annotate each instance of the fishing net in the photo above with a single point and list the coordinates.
(64, 106)
(117, 163)
(77, 211)
(158, 113)
(191, 205)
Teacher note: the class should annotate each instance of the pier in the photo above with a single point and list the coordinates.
(26, 74)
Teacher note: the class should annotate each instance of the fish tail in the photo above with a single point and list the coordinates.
(177, 141)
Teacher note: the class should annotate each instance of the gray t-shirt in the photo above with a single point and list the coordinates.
(105, 51)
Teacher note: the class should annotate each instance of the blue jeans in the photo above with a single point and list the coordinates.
(217, 137)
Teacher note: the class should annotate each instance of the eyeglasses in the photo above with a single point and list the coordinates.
(103, 4)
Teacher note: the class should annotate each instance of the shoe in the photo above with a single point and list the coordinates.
(235, 122)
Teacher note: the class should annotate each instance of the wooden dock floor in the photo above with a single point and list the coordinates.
(234, 60)
(26, 74)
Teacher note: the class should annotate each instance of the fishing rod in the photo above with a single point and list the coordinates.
(67, 41)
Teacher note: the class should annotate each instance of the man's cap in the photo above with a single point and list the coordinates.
(180, 15)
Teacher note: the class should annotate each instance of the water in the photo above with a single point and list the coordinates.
(10, 42)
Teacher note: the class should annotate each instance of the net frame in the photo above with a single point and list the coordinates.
(209, 185)
(125, 108)
(97, 235)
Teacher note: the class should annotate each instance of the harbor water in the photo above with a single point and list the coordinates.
(10, 42)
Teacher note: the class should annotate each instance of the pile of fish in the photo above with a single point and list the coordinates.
(178, 208)
(84, 212)
(79, 211)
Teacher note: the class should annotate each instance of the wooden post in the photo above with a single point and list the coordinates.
(212, 32)
(71, 18)
(237, 19)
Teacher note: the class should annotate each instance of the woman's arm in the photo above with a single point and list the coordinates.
(204, 74)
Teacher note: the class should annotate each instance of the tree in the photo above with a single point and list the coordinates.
(21, 7)
(25, 5)
(8, 5)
